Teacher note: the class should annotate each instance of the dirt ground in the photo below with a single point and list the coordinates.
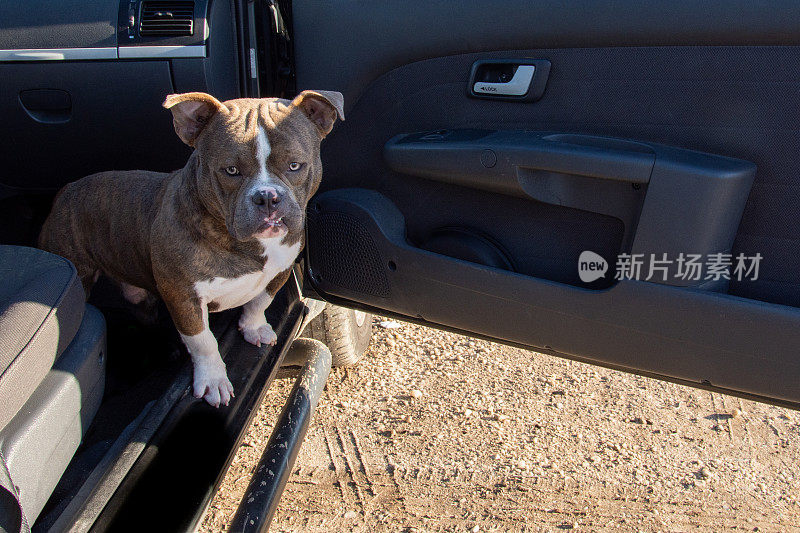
(439, 432)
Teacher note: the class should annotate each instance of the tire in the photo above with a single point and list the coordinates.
(346, 332)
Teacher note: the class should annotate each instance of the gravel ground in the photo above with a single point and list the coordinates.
(440, 432)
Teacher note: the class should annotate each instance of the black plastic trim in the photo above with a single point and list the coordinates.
(691, 335)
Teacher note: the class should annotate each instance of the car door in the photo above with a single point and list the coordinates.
(612, 182)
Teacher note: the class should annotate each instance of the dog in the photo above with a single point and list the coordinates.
(221, 232)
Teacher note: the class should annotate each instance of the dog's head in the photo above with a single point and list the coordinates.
(258, 160)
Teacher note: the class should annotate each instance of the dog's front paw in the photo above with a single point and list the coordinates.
(260, 335)
(211, 383)
(257, 331)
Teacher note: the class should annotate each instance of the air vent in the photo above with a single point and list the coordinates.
(167, 18)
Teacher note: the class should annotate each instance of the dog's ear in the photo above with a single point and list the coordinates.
(321, 108)
(191, 112)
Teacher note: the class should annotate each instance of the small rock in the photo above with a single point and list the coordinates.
(475, 528)
(389, 324)
(595, 458)
(349, 515)
(705, 473)
(467, 412)
(502, 418)
(736, 413)
(416, 394)
(559, 405)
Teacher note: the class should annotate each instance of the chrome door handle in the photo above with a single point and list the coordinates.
(517, 86)
(512, 79)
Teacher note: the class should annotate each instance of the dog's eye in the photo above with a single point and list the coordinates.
(294, 166)
(232, 171)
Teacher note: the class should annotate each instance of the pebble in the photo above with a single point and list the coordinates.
(476, 528)
(349, 515)
(416, 394)
(389, 324)
(705, 473)
(736, 413)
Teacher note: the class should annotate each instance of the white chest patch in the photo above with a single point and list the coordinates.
(233, 292)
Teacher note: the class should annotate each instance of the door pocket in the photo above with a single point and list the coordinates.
(670, 201)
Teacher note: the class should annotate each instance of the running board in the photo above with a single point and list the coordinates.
(258, 505)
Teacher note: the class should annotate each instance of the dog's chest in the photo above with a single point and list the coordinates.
(226, 293)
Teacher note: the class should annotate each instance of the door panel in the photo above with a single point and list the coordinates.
(697, 336)
(425, 238)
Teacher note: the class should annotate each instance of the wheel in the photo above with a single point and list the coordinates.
(346, 332)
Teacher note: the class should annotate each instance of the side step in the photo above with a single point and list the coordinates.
(258, 505)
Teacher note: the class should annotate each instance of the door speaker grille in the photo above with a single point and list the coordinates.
(344, 255)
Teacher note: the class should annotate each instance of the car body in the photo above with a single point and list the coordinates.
(539, 174)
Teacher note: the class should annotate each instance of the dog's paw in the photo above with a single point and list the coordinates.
(211, 383)
(260, 335)
(256, 330)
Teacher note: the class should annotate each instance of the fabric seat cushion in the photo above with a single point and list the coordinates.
(41, 308)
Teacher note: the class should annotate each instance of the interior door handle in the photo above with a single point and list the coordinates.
(48, 106)
(508, 79)
(517, 86)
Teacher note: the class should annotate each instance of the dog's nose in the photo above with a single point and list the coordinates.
(267, 199)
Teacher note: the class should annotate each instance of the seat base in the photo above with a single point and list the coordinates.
(39, 442)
